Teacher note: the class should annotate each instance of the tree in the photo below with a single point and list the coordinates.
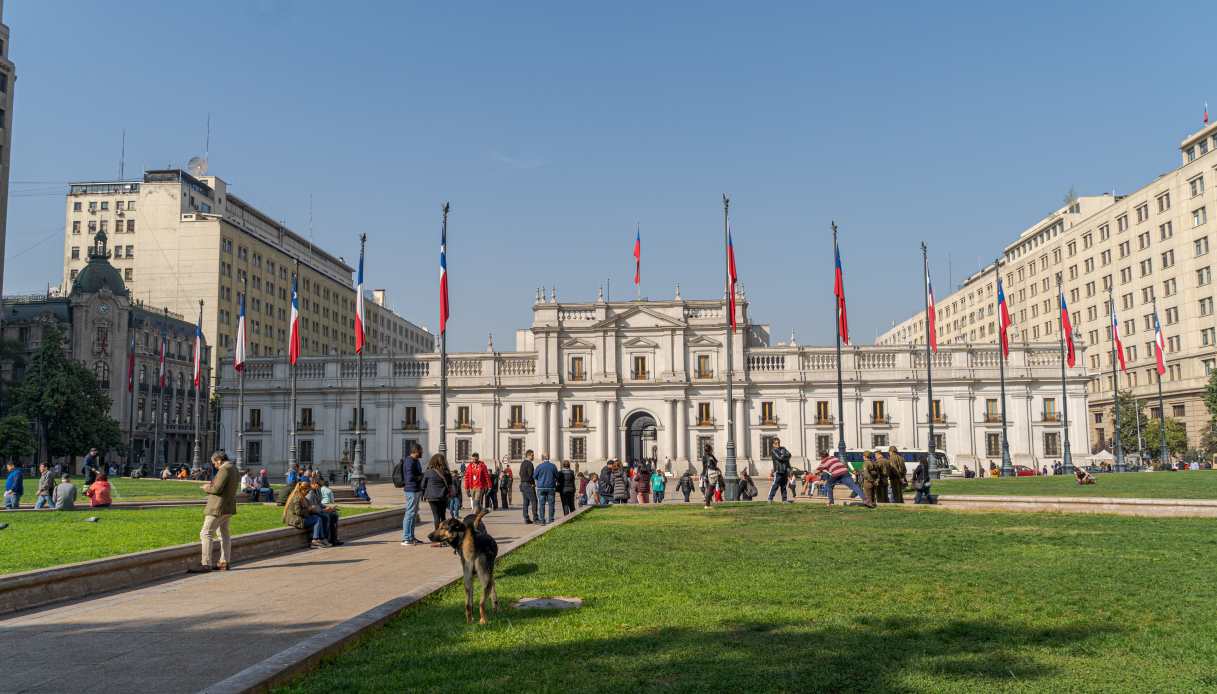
(1210, 398)
(1130, 411)
(63, 400)
(1176, 437)
(16, 439)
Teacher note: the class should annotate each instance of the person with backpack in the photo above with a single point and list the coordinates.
(408, 476)
(710, 474)
(528, 487)
(659, 484)
(781, 469)
(685, 485)
(604, 484)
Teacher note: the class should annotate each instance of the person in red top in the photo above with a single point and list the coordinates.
(477, 481)
(99, 492)
(838, 472)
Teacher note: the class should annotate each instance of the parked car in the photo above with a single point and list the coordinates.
(1023, 471)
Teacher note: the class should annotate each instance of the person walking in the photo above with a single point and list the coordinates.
(437, 484)
(685, 485)
(838, 473)
(781, 469)
(477, 482)
(65, 494)
(582, 482)
(505, 483)
(642, 482)
(14, 486)
(895, 475)
(46, 487)
(528, 488)
(659, 485)
(90, 467)
(221, 507)
(546, 477)
(921, 483)
(710, 474)
(620, 482)
(492, 494)
(566, 488)
(412, 487)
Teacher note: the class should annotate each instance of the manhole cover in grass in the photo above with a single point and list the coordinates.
(560, 602)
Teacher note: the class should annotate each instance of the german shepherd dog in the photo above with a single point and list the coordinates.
(478, 551)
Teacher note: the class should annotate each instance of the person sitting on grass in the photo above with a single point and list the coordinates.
(99, 491)
(64, 497)
(182, 474)
(299, 513)
(1082, 476)
(317, 499)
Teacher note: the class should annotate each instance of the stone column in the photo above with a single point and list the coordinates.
(741, 430)
(614, 436)
(542, 425)
(673, 432)
(555, 431)
(682, 431)
(602, 424)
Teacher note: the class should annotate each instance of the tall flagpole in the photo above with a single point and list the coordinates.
(1007, 466)
(929, 367)
(131, 395)
(197, 462)
(730, 474)
(241, 386)
(443, 359)
(1164, 453)
(299, 328)
(1140, 441)
(1115, 381)
(1067, 458)
(357, 465)
(840, 381)
(160, 397)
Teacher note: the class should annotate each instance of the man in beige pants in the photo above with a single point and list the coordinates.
(221, 506)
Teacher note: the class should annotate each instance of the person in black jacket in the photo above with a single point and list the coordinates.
(685, 485)
(711, 478)
(412, 476)
(492, 494)
(566, 487)
(437, 484)
(781, 469)
(528, 488)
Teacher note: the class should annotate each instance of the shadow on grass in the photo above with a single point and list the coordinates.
(519, 569)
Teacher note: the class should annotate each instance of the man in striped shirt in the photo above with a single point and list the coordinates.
(838, 473)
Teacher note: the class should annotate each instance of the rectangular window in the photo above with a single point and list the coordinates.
(410, 419)
(1172, 315)
(576, 417)
(463, 420)
(1052, 443)
(767, 414)
(255, 419)
(1105, 257)
(1201, 246)
(1142, 213)
(515, 449)
(1177, 411)
(1147, 266)
(878, 440)
(1166, 230)
(253, 452)
(992, 445)
(703, 414)
(1199, 216)
(1121, 224)
(1169, 287)
(878, 412)
(640, 368)
(822, 412)
(1204, 276)
(1125, 249)
(1087, 241)
(1206, 306)
(1168, 259)
(1088, 265)
(464, 449)
(578, 448)
(1164, 202)
(306, 450)
(517, 417)
(306, 419)
(576, 369)
(76, 227)
(1050, 414)
(128, 274)
(1208, 337)
(75, 253)
(1196, 186)
(823, 443)
(703, 366)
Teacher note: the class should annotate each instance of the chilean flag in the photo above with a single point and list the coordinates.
(732, 276)
(359, 337)
(1115, 335)
(161, 367)
(637, 256)
(238, 355)
(198, 350)
(1159, 346)
(930, 313)
(131, 364)
(293, 339)
(838, 290)
(443, 281)
(1003, 319)
(1206, 113)
(1067, 328)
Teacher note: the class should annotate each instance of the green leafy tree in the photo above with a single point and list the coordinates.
(1130, 411)
(1176, 437)
(16, 439)
(61, 397)
(1210, 398)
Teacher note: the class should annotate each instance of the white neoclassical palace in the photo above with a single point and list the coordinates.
(632, 379)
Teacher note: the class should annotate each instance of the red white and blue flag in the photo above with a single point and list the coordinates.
(359, 320)
(161, 366)
(732, 277)
(443, 281)
(1066, 330)
(238, 355)
(1159, 345)
(1206, 113)
(131, 364)
(198, 350)
(1003, 319)
(637, 256)
(293, 338)
(930, 312)
(1115, 336)
(838, 290)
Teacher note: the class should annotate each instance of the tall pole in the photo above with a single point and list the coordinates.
(929, 366)
(1067, 458)
(840, 382)
(1164, 453)
(1007, 466)
(357, 465)
(157, 459)
(1140, 441)
(443, 367)
(131, 395)
(291, 418)
(241, 390)
(197, 460)
(1115, 382)
(731, 474)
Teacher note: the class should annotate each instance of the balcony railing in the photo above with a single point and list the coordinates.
(939, 419)
(705, 422)
(640, 375)
(517, 424)
(363, 425)
(704, 375)
(306, 426)
(1050, 416)
(253, 426)
(409, 424)
(578, 424)
(463, 424)
(880, 419)
(576, 376)
(768, 422)
(823, 420)
(992, 418)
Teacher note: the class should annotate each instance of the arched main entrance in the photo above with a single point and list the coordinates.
(641, 437)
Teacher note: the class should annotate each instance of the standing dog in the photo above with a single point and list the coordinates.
(478, 551)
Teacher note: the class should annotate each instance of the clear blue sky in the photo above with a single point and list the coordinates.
(554, 127)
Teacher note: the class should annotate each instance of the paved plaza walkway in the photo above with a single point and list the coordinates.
(186, 633)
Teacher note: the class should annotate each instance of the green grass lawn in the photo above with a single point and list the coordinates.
(804, 598)
(1197, 484)
(50, 538)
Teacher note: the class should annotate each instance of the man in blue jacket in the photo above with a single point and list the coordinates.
(412, 475)
(14, 487)
(546, 478)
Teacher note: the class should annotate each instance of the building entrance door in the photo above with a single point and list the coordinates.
(640, 437)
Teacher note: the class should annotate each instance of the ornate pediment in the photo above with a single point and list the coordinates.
(703, 341)
(639, 317)
(576, 343)
(640, 343)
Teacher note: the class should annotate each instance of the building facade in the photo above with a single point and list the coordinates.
(99, 320)
(177, 238)
(1154, 244)
(598, 380)
(389, 333)
(8, 79)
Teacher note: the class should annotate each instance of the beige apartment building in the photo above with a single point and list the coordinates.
(178, 238)
(8, 77)
(389, 333)
(1152, 244)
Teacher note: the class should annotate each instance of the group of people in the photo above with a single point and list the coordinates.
(61, 496)
(257, 486)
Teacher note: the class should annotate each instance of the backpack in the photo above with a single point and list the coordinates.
(399, 475)
(712, 476)
(604, 485)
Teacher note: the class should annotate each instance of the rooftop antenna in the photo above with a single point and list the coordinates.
(122, 157)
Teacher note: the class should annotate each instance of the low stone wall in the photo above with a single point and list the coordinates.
(1191, 508)
(32, 589)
